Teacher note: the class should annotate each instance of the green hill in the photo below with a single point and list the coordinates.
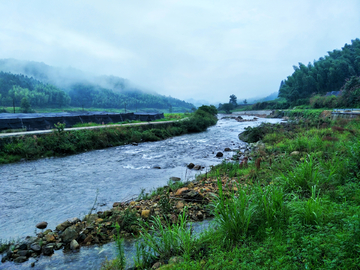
(52, 86)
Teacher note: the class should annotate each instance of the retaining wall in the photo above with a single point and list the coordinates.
(43, 121)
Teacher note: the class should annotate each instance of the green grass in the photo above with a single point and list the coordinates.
(295, 212)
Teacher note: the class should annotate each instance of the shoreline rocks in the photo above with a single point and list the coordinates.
(99, 228)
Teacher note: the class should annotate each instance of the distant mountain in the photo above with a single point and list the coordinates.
(86, 90)
(198, 103)
(63, 78)
(272, 96)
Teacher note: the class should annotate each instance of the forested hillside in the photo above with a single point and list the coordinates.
(327, 74)
(50, 86)
(13, 88)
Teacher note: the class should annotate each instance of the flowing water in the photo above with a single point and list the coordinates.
(56, 189)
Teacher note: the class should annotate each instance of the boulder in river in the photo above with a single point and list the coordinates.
(91, 218)
(74, 245)
(175, 179)
(197, 167)
(23, 246)
(35, 247)
(219, 154)
(69, 234)
(227, 149)
(42, 225)
(63, 225)
(48, 249)
(20, 259)
(191, 165)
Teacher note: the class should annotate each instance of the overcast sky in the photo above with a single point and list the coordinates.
(186, 49)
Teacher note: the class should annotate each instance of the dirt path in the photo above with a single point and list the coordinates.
(4, 135)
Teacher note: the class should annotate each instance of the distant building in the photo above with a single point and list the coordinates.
(334, 93)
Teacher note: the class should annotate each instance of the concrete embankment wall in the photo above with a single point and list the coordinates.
(44, 121)
(345, 115)
(255, 113)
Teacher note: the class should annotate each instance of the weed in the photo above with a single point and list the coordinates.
(127, 219)
(165, 203)
(119, 247)
(169, 240)
(233, 215)
(60, 127)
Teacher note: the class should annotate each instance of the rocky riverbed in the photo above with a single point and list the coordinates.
(99, 228)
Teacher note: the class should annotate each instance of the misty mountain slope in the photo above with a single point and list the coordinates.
(15, 87)
(86, 90)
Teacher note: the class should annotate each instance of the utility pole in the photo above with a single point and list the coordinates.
(125, 107)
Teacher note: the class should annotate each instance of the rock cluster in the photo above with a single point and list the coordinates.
(192, 166)
(240, 119)
(99, 228)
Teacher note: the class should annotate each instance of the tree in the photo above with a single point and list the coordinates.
(25, 105)
(233, 100)
(227, 107)
(245, 101)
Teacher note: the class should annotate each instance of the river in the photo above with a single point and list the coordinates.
(56, 189)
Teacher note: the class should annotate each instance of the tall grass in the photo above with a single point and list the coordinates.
(167, 240)
(233, 214)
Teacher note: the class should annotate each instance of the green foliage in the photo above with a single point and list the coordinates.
(168, 240)
(25, 105)
(227, 107)
(120, 248)
(233, 215)
(60, 127)
(13, 88)
(351, 92)
(93, 95)
(209, 109)
(254, 134)
(327, 74)
(165, 203)
(233, 100)
(127, 220)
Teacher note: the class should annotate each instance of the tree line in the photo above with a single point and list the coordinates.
(327, 74)
(90, 95)
(17, 88)
(331, 81)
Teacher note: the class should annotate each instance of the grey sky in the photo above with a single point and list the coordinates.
(186, 49)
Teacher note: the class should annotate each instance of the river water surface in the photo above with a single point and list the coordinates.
(57, 189)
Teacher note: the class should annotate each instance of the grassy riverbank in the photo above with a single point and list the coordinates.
(60, 142)
(295, 205)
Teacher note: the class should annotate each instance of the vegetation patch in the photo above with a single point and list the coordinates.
(61, 142)
(296, 205)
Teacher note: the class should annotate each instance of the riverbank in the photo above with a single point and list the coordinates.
(293, 204)
(66, 142)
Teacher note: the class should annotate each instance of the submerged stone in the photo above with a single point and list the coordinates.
(42, 225)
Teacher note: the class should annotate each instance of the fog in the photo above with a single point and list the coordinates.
(204, 50)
